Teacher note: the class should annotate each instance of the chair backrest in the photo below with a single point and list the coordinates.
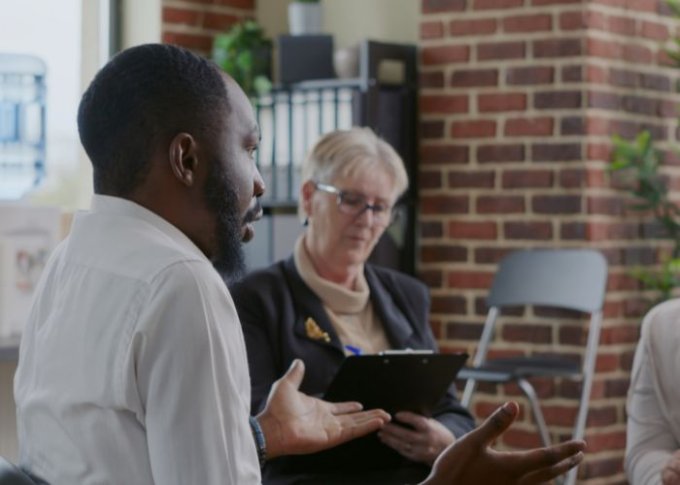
(573, 279)
(12, 475)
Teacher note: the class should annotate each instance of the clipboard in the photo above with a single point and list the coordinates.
(396, 381)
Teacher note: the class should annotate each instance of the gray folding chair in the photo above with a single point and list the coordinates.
(571, 279)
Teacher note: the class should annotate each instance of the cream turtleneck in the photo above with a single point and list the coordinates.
(350, 311)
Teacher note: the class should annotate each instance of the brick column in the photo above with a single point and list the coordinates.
(194, 23)
(519, 99)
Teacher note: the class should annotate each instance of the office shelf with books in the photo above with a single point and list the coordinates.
(293, 116)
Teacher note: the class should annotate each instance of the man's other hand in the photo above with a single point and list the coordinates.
(471, 461)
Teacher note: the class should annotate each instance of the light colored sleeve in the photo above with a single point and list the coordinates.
(193, 382)
(650, 440)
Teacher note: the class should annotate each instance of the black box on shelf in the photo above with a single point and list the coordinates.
(305, 57)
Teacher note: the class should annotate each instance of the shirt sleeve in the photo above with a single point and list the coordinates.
(265, 307)
(650, 441)
(193, 383)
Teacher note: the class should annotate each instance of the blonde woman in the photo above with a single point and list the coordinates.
(325, 302)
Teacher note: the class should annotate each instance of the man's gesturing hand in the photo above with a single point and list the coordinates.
(294, 423)
(471, 461)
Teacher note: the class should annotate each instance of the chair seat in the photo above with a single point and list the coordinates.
(513, 368)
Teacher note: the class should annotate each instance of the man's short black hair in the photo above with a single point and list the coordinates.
(143, 97)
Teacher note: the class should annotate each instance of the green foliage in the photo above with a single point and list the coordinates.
(640, 162)
(662, 281)
(649, 186)
(245, 54)
(675, 6)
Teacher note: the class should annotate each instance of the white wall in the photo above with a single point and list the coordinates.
(351, 21)
(142, 22)
(51, 31)
(67, 35)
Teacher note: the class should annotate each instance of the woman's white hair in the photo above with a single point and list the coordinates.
(343, 153)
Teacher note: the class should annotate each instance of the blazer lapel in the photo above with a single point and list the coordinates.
(395, 323)
(312, 321)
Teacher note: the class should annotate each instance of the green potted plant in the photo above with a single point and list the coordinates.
(245, 54)
(304, 17)
(640, 164)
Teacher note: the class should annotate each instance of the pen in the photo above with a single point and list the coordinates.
(354, 350)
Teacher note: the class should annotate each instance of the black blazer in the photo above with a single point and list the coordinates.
(274, 303)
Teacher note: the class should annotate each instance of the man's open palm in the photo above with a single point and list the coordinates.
(295, 423)
(470, 460)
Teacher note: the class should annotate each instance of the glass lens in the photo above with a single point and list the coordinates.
(354, 203)
(351, 202)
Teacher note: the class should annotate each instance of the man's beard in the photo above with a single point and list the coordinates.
(222, 199)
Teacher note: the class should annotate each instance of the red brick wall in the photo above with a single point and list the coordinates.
(194, 23)
(519, 99)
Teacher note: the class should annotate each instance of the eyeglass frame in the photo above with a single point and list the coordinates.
(376, 209)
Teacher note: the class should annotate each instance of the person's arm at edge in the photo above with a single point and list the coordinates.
(650, 443)
(256, 317)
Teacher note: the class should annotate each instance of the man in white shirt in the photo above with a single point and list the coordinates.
(132, 366)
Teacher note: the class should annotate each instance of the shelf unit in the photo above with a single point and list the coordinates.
(293, 116)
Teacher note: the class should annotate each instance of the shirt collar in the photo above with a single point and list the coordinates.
(107, 204)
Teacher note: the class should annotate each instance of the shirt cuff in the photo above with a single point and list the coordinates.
(260, 442)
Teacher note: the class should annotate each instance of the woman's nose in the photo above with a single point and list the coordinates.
(366, 216)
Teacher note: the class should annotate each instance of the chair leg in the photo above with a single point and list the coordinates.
(480, 355)
(588, 372)
(529, 391)
(570, 479)
(469, 390)
(579, 428)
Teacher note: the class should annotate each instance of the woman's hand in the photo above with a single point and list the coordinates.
(422, 441)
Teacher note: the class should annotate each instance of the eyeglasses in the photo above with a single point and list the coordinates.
(353, 204)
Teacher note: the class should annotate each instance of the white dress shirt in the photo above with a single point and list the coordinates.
(132, 365)
(653, 429)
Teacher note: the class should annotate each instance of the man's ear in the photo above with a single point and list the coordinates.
(306, 192)
(183, 158)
